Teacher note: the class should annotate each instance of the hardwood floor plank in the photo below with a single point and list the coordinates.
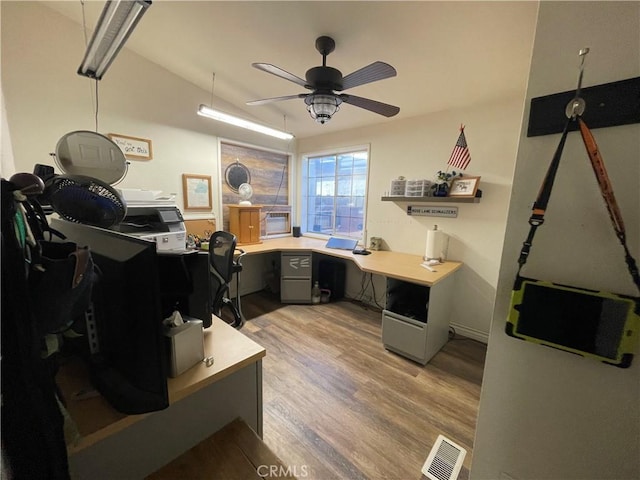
(337, 405)
(320, 457)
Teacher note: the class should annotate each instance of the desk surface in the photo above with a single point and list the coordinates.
(402, 266)
(95, 417)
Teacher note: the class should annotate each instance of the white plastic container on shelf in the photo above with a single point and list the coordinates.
(417, 188)
(397, 188)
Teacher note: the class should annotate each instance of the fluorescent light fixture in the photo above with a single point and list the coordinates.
(240, 122)
(117, 21)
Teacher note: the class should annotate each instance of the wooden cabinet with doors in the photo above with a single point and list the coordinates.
(244, 223)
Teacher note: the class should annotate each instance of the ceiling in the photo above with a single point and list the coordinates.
(447, 54)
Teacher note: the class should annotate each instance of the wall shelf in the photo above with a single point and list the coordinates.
(432, 199)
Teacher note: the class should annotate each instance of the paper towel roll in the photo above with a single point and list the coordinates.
(437, 243)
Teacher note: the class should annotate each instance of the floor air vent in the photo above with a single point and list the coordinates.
(444, 461)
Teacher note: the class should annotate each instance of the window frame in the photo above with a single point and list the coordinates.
(302, 175)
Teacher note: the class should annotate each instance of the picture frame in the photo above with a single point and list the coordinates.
(134, 148)
(464, 187)
(196, 192)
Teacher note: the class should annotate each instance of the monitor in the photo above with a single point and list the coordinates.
(127, 356)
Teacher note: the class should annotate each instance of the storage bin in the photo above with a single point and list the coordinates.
(397, 188)
(417, 188)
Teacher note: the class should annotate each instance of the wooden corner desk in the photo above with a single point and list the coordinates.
(415, 322)
(401, 266)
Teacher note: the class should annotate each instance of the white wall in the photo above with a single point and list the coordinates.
(7, 167)
(546, 414)
(418, 148)
(45, 98)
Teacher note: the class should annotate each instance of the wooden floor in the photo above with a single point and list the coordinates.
(337, 405)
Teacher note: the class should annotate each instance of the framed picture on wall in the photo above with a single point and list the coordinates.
(134, 148)
(196, 191)
(464, 187)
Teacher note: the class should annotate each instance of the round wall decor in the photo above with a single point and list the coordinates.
(236, 174)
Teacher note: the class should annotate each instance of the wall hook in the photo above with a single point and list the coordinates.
(577, 105)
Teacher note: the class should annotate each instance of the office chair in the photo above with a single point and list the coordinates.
(224, 262)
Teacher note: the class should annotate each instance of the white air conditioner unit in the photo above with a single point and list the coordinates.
(277, 222)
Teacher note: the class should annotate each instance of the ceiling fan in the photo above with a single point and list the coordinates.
(325, 81)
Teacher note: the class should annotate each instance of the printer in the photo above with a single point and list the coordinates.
(162, 224)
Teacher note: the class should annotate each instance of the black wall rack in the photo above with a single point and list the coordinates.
(607, 105)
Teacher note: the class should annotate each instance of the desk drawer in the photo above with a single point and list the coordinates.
(295, 290)
(405, 336)
(295, 264)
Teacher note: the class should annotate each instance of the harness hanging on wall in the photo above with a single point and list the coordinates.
(595, 324)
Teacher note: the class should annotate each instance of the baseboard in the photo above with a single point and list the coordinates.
(471, 333)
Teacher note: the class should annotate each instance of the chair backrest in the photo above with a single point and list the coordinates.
(222, 246)
(222, 266)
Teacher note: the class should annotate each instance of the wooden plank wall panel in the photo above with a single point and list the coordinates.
(269, 177)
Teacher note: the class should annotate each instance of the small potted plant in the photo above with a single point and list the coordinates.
(443, 181)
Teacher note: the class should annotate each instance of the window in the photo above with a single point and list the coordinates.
(334, 189)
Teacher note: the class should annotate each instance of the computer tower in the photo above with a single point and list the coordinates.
(331, 275)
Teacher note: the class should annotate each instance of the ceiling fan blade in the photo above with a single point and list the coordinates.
(276, 99)
(371, 105)
(371, 73)
(278, 72)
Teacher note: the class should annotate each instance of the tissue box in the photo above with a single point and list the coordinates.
(185, 345)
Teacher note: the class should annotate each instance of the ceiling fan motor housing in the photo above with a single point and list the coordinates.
(324, 78)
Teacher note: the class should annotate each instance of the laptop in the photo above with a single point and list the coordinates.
(342, 243)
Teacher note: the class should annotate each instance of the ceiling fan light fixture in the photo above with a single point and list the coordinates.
(117, 21)
(220, 116)
(322, 107)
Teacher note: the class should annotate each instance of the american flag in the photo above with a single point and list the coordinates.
(460, 156)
